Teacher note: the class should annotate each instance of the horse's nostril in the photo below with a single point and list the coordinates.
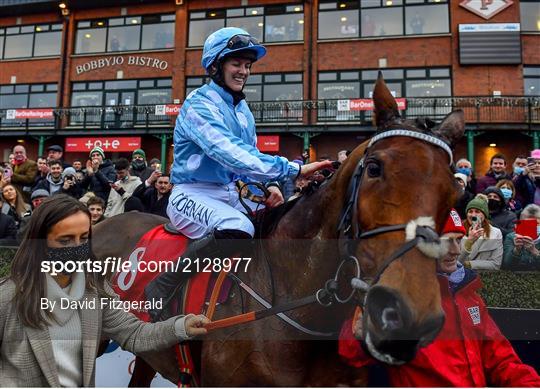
(391, 320)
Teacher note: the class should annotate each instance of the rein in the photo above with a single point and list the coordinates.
(350, 233)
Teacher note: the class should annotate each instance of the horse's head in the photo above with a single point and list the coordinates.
(405, 176)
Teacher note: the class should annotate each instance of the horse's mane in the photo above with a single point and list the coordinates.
(268, 219)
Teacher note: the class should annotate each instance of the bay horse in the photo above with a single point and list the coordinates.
(403, 175)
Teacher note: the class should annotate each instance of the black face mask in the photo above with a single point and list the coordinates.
(76, 254)
(494, 205)
(138, 164)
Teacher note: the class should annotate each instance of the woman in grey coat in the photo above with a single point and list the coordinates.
(482, 248)
(51, 324)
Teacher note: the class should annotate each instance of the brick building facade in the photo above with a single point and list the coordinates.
(104, 67)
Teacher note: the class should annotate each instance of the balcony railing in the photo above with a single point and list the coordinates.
(478, 110)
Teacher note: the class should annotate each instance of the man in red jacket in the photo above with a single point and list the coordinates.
(470, 350)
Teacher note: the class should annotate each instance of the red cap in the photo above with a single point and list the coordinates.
(454, 224)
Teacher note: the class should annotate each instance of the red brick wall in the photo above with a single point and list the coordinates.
(400, 53)
(530, 45)
(482, 80)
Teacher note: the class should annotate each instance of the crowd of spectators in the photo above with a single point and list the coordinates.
(103, 185)
(489, 205)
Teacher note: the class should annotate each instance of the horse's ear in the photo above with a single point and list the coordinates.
(452, 127)
(386, 108)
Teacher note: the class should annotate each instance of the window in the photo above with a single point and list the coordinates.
(262, 87)
(30, 41)
(267, 88)
(27, 96)
(273, 23)
(125, 34)
(530, 15)
(119, 93)
(531, 79)
(374, 18)
(425, 83)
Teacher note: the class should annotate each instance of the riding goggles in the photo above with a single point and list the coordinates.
(239, 42)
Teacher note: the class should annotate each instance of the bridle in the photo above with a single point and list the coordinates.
(419, 232)
(350, 232)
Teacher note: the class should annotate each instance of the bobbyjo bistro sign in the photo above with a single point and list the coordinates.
(132, 60)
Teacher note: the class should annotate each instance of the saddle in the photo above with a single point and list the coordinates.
(160, 249)
(163, 244)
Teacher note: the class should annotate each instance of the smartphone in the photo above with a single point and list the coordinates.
(531, 161)
(8, 172)
(475, 222)
(158, 166)
(527, 227)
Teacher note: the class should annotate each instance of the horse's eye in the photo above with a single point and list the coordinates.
(373, 170)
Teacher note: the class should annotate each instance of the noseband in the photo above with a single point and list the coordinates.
(418, 232)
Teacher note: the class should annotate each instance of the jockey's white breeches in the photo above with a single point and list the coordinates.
(197, 209)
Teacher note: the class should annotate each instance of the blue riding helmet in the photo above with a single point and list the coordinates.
(229, 40)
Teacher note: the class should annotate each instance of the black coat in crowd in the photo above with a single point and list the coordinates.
(143, 174)
(149, 199)
(8, 230)
(98, 183)
(504, 220)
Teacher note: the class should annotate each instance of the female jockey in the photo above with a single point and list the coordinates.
(214, 146)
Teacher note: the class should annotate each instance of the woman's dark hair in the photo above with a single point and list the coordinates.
(20, 205)
(26, 271)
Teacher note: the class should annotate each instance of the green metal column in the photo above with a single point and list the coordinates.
(306, 142)
(41, 146)
(536, 140)
(470, 147)
(163, 152)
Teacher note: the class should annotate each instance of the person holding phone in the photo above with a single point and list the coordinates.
(528, 182)
(482, 247)
(522, 248)
(71, 185)
(468, 352)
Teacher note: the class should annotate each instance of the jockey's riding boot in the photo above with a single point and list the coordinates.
(164, 287)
